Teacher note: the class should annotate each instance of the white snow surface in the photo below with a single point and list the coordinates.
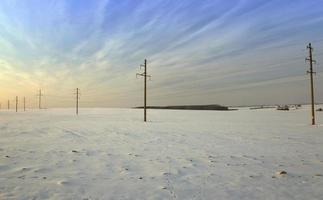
(113, 154)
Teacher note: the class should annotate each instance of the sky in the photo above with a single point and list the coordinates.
(237, 52)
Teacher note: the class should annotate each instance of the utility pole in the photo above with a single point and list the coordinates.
(16, 103)
(24, 104)
(145, 75)
(8, 104)
(77, 100)
(311, 72)
(39, 99)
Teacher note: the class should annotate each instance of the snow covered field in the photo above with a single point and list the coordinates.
(112, 154)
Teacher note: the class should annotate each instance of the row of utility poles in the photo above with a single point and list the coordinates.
(24, 101)
(40, 95)
(311, 72)
(145, 75)
(16, 102)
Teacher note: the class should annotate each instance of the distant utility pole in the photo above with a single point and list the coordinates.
(311, 72)
(77, 100)
(39, 99)
(24, 104)
(16, 103)
(8, 104)
(145, 75)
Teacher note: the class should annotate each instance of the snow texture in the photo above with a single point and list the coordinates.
(113, 154)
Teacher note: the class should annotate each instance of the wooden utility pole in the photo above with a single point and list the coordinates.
(16, 103)
(77, 101)
(24, 104)
(311, 72)
(39, 99)
(145, 75)
(8, 104)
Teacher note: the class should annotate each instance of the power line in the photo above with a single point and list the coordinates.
(311, 72)
(77, 100)
(145, 75)
(39, 98)
(24, 104)
(16, 103)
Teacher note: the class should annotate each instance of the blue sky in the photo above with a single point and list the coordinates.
(235, 52)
